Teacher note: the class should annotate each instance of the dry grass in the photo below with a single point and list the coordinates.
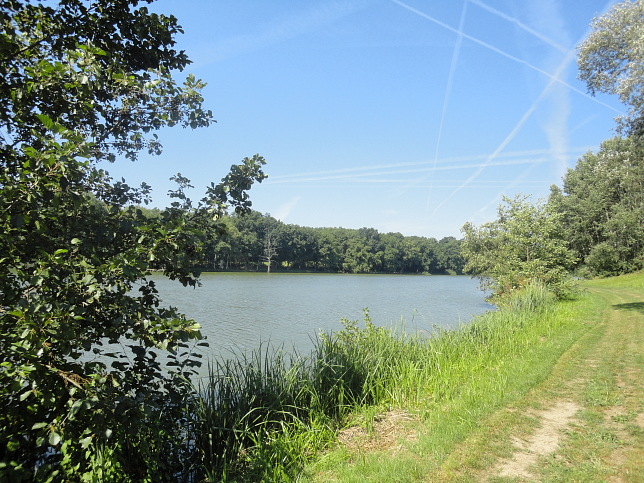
(386, 433)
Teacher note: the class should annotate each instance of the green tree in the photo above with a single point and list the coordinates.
(393, 254)
(364, 251)
(299, 247)
(524, 244)
(611, 60)
(448, 255)
(602, 207)
(82, 390)
(332, 245)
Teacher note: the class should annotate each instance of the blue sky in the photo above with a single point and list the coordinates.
(405, 116)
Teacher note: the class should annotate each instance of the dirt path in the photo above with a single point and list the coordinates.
(591, 427)
(544, 441)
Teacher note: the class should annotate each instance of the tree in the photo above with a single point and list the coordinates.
(393, 254)
(524, 244)
(332, 244)
(299, 247)
(271, 247)
(448, 255)
(611, 60)
(81, 327)
(601, 205)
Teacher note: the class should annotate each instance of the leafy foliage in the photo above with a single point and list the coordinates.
(522, 246)
(246, 247)
(611, 60)
(84, 390)
(602, 208)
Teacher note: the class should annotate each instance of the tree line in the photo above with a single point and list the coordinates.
(259, 242)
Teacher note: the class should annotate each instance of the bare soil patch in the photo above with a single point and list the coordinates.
(544, 441)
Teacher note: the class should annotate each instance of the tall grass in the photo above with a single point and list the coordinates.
(261, 417)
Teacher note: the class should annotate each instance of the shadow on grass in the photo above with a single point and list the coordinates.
(636, 306)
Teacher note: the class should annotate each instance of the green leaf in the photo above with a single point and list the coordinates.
(13, 445)
(54, 438)
(46, 120)
(85, 442)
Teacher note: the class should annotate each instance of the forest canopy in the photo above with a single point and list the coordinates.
(259, 242)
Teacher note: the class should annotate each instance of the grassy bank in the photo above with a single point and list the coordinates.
(371, 404)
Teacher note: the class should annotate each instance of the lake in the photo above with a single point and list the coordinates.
(240, 311)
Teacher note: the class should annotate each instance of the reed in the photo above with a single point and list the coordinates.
(263, 416)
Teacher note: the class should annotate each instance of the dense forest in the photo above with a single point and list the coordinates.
(258, 242)
(602, 208)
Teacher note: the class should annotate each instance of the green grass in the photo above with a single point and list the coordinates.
(274, 416)
(277, 416)
(631, 280)
(471, 373)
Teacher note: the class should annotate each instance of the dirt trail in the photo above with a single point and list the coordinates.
(544, 441)
(595, 426)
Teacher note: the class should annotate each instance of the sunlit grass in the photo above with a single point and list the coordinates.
(631, 280)
(267, 416)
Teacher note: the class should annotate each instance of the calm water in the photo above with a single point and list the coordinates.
(238, 311)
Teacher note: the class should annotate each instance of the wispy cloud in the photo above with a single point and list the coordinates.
(285, 209)
(505, 54)
(555, 126)
(277, 30)
(544, 38)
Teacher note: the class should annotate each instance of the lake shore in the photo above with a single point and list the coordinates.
(381, 405)
(568, 408)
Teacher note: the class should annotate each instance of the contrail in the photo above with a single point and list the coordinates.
(506, 188)
(450, 162)
(448, 90)
(562, 66)
(521, 25)
(500, 148)
(504, 54)
(275, 31)
(515, 130)
(447, 167)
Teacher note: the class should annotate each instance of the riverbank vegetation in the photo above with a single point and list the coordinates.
(552, 396)
(266, 416)
(276, 416)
